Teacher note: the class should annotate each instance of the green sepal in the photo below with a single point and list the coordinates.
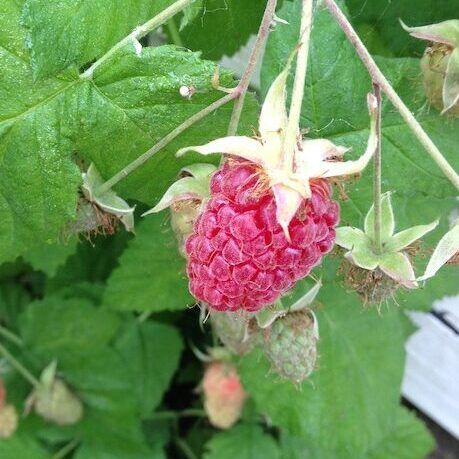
(446, 32)
(108, 201)
(358, 245)
(406, 237)
(446, 248)
(398, 266)
(451, 83)
(193, 186)
(268, 315)
(387, 219)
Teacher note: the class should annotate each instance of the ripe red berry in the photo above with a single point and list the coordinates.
(238, 254)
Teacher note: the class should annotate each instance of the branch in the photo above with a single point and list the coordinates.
(298, 85)
(138, 33)
(243, 85)
(379, 78)
(377, 174)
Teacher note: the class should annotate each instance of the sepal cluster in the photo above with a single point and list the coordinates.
(390, 257)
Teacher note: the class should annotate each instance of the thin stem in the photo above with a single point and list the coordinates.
(190, 413)
(66, 449)
(144, 316)
(185, 449)
(243, 85)
(10, 336)
(163, 142)
(19, 367)
(138, 33)
(377, 173)
(298, 85)
(174, 32)
(378, 77)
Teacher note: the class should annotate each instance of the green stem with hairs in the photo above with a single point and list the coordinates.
(19, 367)
(62, 453)
(291, 132)
(9, 335)
(174, 32)
(377, 174)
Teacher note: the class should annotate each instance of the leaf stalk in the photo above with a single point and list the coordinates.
(9, 335)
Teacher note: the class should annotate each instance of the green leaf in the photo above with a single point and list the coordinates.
(21, 446)
(348, 394)
(132, 102)
(408, 439)
(151, 273)
(48, 258)
(151, 353)
(54, 326)
(136, 102)
(245, 441)
(221, 27)
(75, 32)
(387, 219)
(421, 299)
(385, 18)
(92, 263)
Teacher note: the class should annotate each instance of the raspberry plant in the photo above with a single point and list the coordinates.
(105, 305)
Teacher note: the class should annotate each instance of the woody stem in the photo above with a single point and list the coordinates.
(243, 85)
(298, 85)
(379, 78)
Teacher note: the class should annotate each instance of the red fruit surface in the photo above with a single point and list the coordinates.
(238, 255)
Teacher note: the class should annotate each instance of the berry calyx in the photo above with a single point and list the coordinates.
(224, 395)
(440, 64)
(377, 272)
